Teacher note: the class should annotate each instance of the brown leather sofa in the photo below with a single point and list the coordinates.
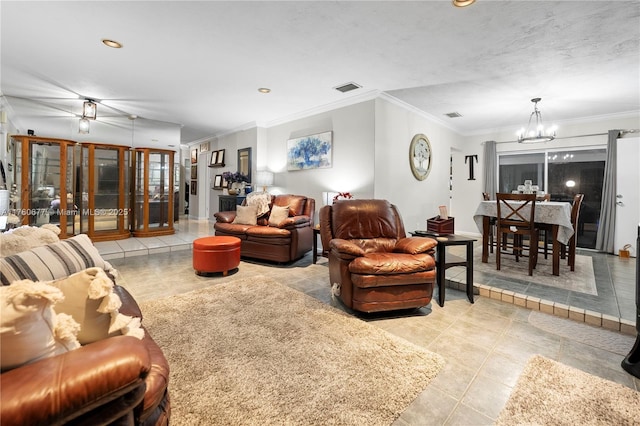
(288, 241)
(119, 380)
(373, 266)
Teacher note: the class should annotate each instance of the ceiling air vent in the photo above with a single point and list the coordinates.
(453, 114)
(347, 87)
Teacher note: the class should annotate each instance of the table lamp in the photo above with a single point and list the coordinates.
(264, 178)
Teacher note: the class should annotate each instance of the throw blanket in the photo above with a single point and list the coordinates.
(261, 200)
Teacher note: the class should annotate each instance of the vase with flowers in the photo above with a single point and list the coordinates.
(236, 182)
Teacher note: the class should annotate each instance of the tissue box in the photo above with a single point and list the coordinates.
(440, 226)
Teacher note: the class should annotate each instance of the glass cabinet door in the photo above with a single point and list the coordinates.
(153, 205)
(44, 182)
(104, 194)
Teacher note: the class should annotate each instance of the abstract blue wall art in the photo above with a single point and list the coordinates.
(310, 152)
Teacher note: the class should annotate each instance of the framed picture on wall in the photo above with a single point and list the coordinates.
(310, 152)
(194, 171)
(193, 188)
(194, 156)
(217, 158)
(217, 182)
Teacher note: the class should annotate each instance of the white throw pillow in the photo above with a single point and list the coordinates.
(246, 215)
(29, 328)
(90, 300)
(278, 215)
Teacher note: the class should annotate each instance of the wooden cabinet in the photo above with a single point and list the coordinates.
(103, 194)
(44, 176)
(153, 194)
(228, 203)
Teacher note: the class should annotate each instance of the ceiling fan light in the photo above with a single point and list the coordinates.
(89, 110)
(83, 126)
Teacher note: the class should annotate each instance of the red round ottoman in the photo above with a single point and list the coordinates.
(216, 254)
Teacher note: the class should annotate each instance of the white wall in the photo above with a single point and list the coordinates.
(467, 194)
(371, 158)
(416, 200)
(231, 143)
(352, 157)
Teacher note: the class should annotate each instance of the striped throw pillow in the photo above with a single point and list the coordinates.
(52, 261)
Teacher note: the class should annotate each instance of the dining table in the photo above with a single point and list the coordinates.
(555, 213)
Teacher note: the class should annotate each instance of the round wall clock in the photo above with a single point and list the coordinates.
(420, 156)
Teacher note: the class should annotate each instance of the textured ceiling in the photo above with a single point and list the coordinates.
(199, 64)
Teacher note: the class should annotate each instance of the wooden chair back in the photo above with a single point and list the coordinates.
(575, 210)
(516, 210)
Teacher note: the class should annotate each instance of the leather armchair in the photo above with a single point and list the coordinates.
(373, 266)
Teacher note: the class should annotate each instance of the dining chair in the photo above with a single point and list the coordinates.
(516, 215)
(545, 228)
(492, 223)
(575, 213)
(567, 251)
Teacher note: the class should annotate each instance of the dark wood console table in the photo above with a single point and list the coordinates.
(228, 203)
(442, 265)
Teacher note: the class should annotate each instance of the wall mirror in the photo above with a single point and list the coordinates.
(244, 162)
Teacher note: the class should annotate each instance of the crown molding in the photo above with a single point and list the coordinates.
(402, 104)
(356, 99)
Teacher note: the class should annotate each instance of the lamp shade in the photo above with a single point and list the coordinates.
(264, 178)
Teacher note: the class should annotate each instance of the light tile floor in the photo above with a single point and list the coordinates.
(485, 344)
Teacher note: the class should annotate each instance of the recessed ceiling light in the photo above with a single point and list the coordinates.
(111, 43)
(264, 90)
(463, 3)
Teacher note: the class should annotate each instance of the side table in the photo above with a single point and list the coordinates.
(442, 265)
(316, 235)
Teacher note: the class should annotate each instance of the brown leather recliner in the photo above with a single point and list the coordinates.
(373, 264)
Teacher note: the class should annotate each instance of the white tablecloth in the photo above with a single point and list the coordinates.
(552, 212)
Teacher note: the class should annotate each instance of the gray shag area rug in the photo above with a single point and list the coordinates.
(255, 352)
(551, 393)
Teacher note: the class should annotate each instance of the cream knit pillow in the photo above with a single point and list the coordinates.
(90, 300)
(29, 328)
(246, 215)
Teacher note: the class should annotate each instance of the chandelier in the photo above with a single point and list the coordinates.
(535, 131)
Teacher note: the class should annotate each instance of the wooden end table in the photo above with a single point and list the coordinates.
(442, 265)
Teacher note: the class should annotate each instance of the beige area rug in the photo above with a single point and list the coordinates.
(255, 352)
(581, 280)
(551, 393)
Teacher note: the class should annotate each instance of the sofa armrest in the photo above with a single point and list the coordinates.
(415, 245)
(295, 222)
(345, 249)
(225, 217)
(57, 389)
